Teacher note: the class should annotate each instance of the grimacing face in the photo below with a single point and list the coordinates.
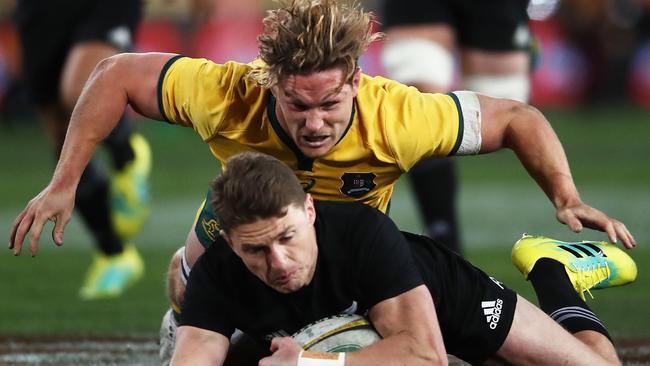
(280, 251)
(314, 109)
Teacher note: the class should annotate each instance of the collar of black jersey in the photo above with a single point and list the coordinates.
(304, 163)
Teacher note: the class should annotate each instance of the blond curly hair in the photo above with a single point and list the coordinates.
(305, 36)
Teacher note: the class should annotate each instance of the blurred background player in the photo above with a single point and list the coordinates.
(62, 41)
(492, 41)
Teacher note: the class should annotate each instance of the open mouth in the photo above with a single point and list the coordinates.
(314, 141)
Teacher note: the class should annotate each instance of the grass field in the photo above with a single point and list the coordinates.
(607, 148)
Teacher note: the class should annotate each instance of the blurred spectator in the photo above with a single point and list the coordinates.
(596, 49)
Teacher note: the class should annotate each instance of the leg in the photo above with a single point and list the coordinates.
(421, 56)
(534, 339)
(562, 271)
(434, 184)
(499, 74)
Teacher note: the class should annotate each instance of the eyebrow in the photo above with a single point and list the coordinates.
(254, 245)
(330, 94)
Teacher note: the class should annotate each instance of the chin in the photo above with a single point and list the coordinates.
(316, 153)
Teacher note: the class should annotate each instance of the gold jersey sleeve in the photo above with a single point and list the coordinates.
(208, 97)
(412, 125)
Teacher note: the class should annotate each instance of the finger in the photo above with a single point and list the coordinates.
(275, 344)
(14, 228)
(21, 232)
(608, 227)
(37, 228)
(573, 223)
(57, 232)
(624, 234)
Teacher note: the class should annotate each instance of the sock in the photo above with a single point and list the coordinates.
(434, 184)
(93, 203)
(559, 299)
(118, 144)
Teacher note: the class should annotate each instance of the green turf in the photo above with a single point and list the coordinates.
(497, 202)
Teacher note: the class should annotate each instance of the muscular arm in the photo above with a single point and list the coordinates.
(410, 328)
(411, 332)
(522, 128)
(118, 81)
(196, 346)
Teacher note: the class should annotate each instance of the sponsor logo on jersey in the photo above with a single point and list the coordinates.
(210, 228)
(497, 282)
(492, 312)
(357, 185)
(308, 184)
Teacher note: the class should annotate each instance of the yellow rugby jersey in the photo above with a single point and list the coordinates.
(392, 127)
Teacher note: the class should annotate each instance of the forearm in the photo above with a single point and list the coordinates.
(118, 81)
(398, 349)
(196, 346)
(100, 106)
(538, 148)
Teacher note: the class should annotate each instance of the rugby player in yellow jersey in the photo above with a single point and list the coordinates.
(347, 136)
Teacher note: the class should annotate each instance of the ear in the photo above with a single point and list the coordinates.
(356, 79)
(309, 208)
(225, 236)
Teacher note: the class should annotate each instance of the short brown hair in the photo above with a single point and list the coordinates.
(254, 186)
(305, 36)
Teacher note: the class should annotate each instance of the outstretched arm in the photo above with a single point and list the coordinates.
(523, 128)
(118, 81)
(409, 327)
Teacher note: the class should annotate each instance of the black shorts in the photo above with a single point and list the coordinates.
(48, 29)
(475, 311)
(491, 25)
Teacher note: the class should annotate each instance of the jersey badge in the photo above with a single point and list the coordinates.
(357, 185)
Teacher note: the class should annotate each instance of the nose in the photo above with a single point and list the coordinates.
(277, 259)
(314, 121)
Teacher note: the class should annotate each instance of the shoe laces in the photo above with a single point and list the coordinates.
(590, 274)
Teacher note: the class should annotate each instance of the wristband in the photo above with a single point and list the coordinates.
(321, 359)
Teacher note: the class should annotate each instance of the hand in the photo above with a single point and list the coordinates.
(285, 353)
(579, 215)
(49, 205)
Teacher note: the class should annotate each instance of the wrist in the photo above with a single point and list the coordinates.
(307, 358)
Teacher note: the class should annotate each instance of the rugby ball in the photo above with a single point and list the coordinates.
(338, 333)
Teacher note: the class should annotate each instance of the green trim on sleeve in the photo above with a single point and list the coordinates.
(163, 72)
(461, 125)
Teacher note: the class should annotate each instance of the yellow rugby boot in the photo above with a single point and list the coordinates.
(109, 276)
(589, 264)
(130, 190)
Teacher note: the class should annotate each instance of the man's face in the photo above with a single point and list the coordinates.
(282, 251)
(315, 109)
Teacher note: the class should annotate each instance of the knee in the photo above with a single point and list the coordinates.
(175, 286)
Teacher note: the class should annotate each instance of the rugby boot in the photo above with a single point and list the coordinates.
(110, 275)
(130, 190)
(589, 264)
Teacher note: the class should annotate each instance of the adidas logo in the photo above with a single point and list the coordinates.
(492, 311)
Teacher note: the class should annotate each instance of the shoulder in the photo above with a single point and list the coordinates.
(348, 221)
(201, 69)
